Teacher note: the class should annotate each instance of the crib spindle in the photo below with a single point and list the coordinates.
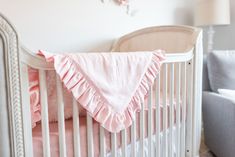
(142, 128)
(76, 130)
(124, 145)
(150, 113)
(183, 124)
(193, 109)
(133, 138)
(165, 110)
(102, 142)
(90, 146)
(26, 109)
(61, 122)
(158, 116)
(44, 114)
(114, 144)
(171, 152)
(189, 112)
(178, 109)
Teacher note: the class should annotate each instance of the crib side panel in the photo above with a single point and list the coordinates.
(162, 131)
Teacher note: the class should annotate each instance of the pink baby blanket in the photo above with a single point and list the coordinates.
(110, 86)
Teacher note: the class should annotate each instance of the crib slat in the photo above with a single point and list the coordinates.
(165, 119)
(44, 114)
(189, 109)
(76, 130)
(114, 144)
(142, 127)
(124, 145)
(26, 110)
(150, 114)
(183, 110)
(61, 122)
(102, 142)
(158, 116)
(133, 138)
(90, 146)
(171, 152)
(192, 110)
(178, 108)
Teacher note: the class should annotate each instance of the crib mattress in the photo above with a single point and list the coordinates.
(54, 137)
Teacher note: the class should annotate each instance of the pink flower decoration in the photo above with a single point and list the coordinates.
(123, 2)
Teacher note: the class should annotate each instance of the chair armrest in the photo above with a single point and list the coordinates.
(219, 123)
(212, 97)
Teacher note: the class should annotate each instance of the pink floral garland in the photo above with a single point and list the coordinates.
(122, 2)
(125, 3)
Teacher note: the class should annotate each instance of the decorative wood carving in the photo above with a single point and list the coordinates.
(12, 70)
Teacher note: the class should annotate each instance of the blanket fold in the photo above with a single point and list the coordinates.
(110, 86)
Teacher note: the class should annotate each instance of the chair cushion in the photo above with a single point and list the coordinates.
(221, 70)
(228, 93)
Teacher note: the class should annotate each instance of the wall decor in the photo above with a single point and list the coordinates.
(125, 3)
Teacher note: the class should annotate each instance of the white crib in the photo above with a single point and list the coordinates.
(179, 81)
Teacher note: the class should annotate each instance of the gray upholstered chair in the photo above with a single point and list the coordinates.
(219, 111)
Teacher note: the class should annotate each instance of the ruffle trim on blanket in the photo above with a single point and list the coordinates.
(86, 94)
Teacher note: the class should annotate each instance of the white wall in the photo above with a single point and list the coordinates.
(87, 25)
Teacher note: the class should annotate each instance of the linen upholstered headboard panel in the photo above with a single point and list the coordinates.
(11, 125)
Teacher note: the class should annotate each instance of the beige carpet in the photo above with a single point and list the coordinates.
(204, 151)
(206, 154)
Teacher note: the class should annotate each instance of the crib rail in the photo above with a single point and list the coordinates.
(38, 62)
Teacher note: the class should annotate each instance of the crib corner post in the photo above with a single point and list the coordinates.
(197, 96)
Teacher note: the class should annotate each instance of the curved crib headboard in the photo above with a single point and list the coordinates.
(159, 37)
